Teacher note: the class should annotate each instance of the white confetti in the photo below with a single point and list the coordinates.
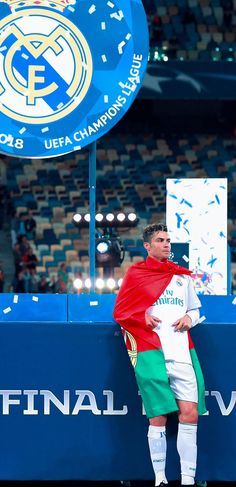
(7, 310)
(77, 147)
(184, 257)
(104, 58)
(93, 303)
(22, 130)
(234, 301)
(103, 25)
(105, 98)
(15, 299)
(44, 129)
(117, 15)
(110, 4)
(35, 298)
(202, 319)
(24, 56)
(60, 105)
(120, 47)
(92, 9)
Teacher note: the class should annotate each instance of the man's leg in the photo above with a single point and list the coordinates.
(187, 441)
(157, 447)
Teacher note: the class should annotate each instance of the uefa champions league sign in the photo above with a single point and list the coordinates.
(69, 71)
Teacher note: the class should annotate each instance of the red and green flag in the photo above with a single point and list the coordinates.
(143, 284)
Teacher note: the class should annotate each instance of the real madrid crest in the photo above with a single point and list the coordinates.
(69, 70)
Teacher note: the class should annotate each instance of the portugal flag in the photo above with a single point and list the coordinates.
(143, 284)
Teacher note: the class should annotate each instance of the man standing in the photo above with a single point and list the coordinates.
(156, 306)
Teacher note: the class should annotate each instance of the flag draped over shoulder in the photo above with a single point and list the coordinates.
(143, 284)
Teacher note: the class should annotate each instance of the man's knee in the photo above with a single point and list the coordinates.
(158, 421)
(188, 412)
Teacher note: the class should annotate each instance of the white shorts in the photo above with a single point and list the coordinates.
(182, 381)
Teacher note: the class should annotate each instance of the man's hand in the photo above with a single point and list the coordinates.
(151, 321)
(183, 324)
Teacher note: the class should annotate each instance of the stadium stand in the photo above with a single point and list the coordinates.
(133, 162)
(130, 177)
(192, 29)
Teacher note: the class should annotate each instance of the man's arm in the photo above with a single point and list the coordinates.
(191, 318)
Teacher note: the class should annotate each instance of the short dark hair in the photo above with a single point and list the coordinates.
(149, 230)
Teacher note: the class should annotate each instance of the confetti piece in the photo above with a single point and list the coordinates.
(234, 301)
(217, 199)
(15, 299)
(104, 58)
(117, 15)
(120, 47)
(92, 9)
(7, 310)
(186, 202)
(35, 298)
(202, 319)
(93, 303)
(185, 258)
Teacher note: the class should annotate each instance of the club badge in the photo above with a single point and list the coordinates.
(69, 70)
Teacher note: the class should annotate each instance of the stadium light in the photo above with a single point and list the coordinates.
(87, 217)
(109, 251)
(102, 285)
(119, 219)
(111, 283)
(87, 283)
(78, 283)
(103, 247)
(99, 217)
(77, 218)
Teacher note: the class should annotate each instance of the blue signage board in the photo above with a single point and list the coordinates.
(69, 71)
(68, 393)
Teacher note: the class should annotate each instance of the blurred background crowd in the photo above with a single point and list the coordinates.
(43, 249)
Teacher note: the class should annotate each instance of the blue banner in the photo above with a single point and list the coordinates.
(189, 80)
(70, 407)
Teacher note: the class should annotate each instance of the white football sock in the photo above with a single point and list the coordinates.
(157, 447)
(187, 449)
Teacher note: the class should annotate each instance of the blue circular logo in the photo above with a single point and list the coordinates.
(69, 70)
